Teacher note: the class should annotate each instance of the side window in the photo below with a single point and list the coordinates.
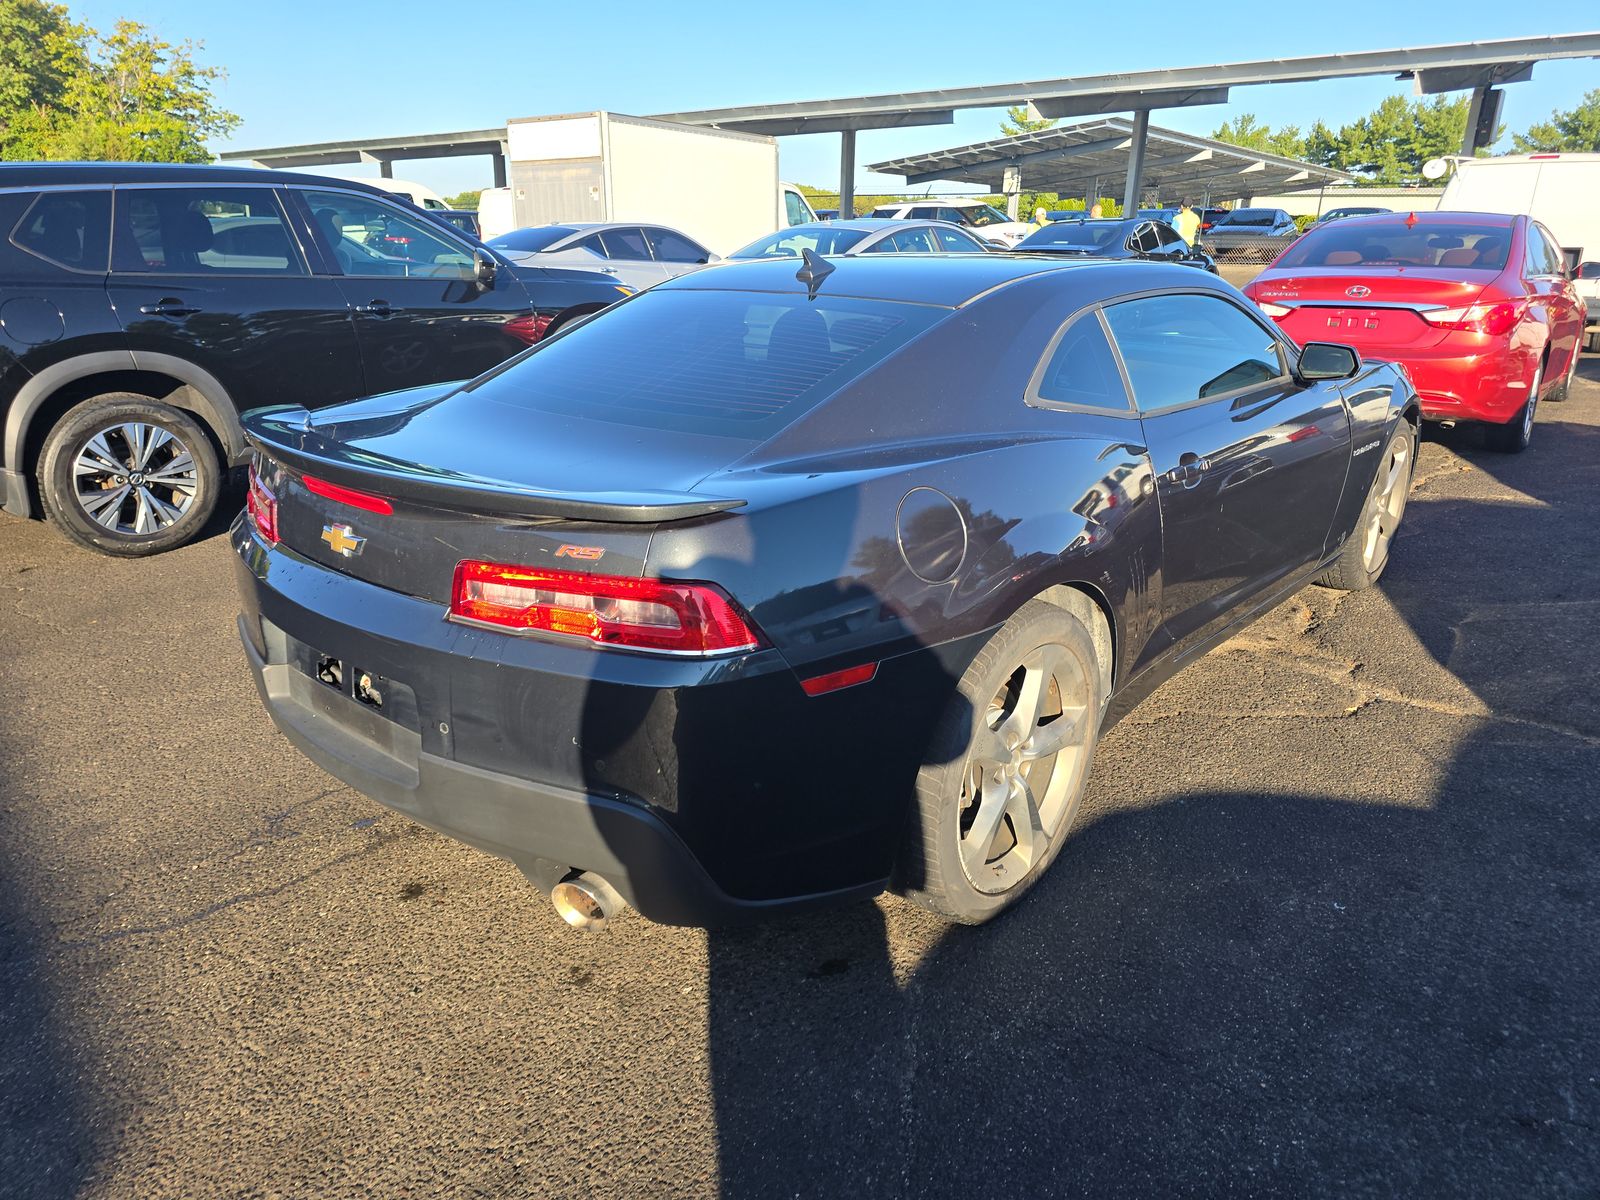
(371, 237)
(589, 245)
(795, 208)
(70, 229)
(1083, 370)
(675, 248)
(905, 241)
(956, 242)
(1166, 235)
(1144, 238)
(625, 244)
(1542, 259)
(1184, 347)
(202, 231)
(923, 213)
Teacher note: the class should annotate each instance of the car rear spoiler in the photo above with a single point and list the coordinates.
(289, 436)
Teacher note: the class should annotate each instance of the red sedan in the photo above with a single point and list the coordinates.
(1477, 306)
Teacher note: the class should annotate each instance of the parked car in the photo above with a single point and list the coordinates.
(983, 221)
(129, 347)
(779, 587)
(1558, 191)
(419, 194)
(638, 255)
(1209, 217)
(464, 219)
(865, 235)
(1164, 215)
(1255, 222)
(1138, 238)
(1477, 306)
(1350, 210)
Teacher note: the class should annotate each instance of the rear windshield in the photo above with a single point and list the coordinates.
(1458, 245)
(790, 242)
(730, 364)
(1250, 216)
(1089, 234)
(532, 239)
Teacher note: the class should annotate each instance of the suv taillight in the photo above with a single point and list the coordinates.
(663, 616)
(262, 506)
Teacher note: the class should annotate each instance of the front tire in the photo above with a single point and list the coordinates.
(1365, 552)
(125, 475)
(1006, 769)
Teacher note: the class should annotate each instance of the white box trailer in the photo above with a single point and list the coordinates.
(719, 187)
(1560, 191)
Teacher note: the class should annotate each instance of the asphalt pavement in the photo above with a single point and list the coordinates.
(1327, 927)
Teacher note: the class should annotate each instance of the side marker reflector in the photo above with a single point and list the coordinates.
(820, 685)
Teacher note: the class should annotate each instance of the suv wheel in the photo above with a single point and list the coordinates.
(126, 475)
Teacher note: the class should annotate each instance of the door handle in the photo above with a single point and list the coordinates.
(1189, 470)
(168, 308)
(375, 308)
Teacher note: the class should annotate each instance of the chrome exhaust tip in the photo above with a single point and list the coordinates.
(586, 901)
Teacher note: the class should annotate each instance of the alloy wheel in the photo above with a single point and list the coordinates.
(1027, 759)
(1390, 504)
(135, 478)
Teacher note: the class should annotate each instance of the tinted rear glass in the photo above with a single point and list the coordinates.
(69, 228)
(1089, 234)
(730, 364)
(1251, 216)
(528, 240)
(790, 242)
(1457, 246)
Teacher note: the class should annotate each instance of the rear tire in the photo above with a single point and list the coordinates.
(1564, 389)
(1513, 437)
(125, 475)
(1366, 551)
(1006, 768)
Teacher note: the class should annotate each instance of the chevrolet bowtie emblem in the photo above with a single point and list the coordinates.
(343, 540)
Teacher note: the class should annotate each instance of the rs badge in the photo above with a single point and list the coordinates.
(343, 540)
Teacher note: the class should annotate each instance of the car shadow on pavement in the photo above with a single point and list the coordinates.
(1379, 977)
(47, 1141)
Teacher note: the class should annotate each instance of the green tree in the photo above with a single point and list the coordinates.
(1245, 130)
(1390, 144)
(467, 200)
(1018, 122)
(40, 52)
(1576, 129)
(128, 97)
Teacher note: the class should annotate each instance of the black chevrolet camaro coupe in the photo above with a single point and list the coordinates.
(769, 588)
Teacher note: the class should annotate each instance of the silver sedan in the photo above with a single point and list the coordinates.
(638, 255)
(865, 235)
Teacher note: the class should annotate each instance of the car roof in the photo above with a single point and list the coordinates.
(56, 174)
(945, 280)
(864, 224)
(1427, 217)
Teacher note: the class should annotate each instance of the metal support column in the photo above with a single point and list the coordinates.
(1141, 133)
(1011, 187)
(847, 174)
(386, 168)
(498, 159)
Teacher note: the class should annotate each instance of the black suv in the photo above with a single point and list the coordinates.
(144, 307)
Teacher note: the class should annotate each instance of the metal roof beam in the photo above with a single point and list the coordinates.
(1122, 101)
(885, 120)
(1431, 81)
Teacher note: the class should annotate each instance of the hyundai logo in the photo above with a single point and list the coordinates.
(1358, 292)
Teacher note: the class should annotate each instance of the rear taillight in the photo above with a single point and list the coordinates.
(667, 616)
(1273, 310)
(528, 329)
(365, 501)
(262, 506)
(1491, 319)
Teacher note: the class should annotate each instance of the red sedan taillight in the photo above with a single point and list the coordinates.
(664, 616)
(262, 506)
(1492, 319)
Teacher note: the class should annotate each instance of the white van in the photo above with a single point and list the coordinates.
(419, 194)
(1558, 190)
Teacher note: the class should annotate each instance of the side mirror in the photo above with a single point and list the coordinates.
(1588, 270)
(1327, 360)
(484, 267)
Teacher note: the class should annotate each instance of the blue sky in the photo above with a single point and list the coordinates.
(309, 72)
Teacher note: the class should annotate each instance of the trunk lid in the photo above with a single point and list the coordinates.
(1371, 311)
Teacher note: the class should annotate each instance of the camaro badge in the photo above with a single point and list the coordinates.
(343, 539)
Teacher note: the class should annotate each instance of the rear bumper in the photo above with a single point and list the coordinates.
(542, 829)
(706, 792)
(1461, 379)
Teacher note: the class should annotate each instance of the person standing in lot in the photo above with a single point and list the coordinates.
(1187, 222)
(1095, 212)
(1041, 218)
